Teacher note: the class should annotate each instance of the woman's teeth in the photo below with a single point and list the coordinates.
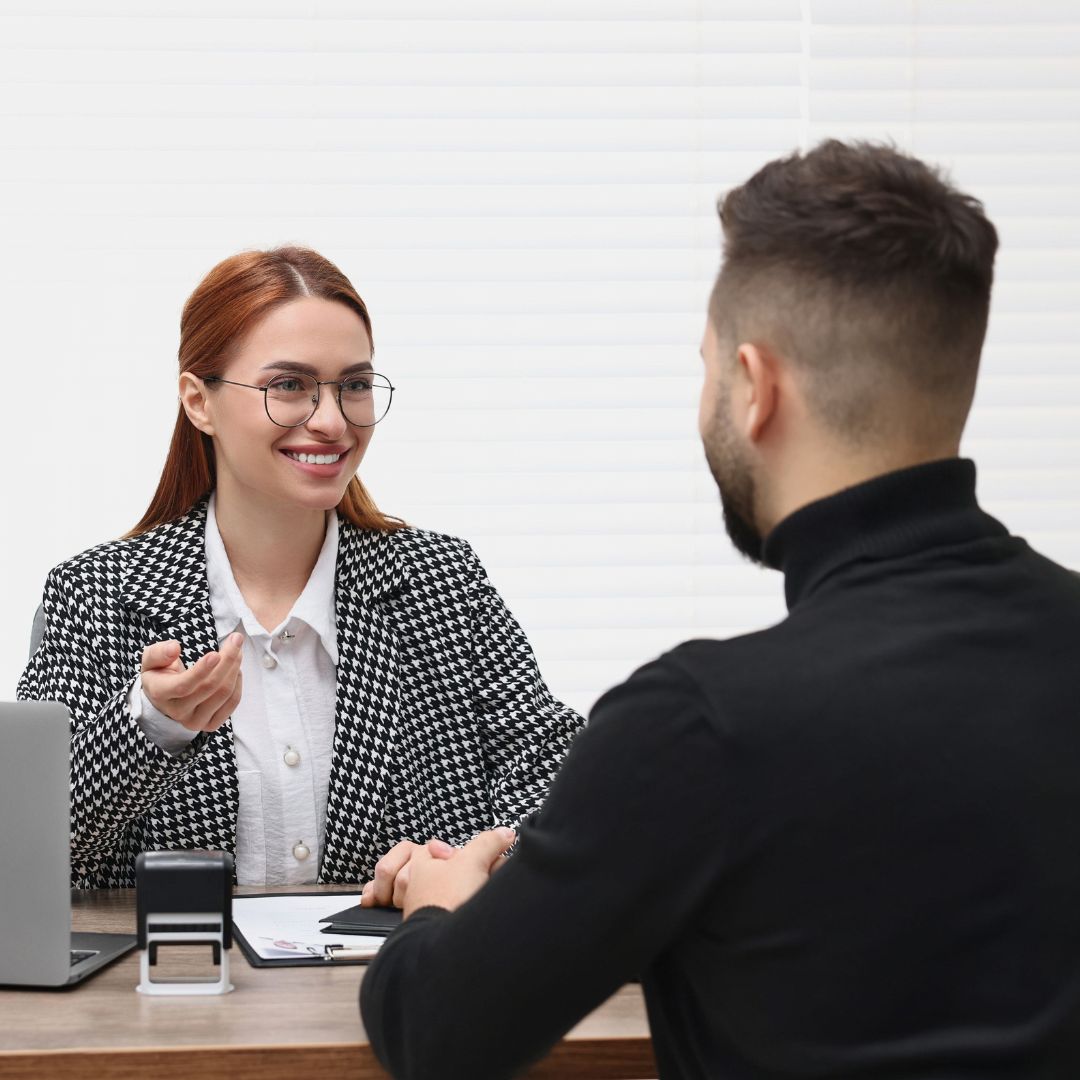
(313, 459)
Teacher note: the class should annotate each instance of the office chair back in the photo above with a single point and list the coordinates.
(37, 630)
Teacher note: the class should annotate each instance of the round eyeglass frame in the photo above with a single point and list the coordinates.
(319, 384)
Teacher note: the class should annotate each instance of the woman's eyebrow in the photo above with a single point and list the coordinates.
(307, 369)
(352, 369)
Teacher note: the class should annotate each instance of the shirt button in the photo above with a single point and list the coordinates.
(268, 661)
(292, 757)
(300, 851)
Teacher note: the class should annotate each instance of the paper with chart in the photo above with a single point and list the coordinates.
(285, 927)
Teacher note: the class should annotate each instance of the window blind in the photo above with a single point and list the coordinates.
(525, 195)
(990, 91)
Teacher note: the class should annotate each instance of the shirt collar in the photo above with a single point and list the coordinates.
(314, 606)
(890, 516)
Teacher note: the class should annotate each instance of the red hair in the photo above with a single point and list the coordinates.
(226, 304)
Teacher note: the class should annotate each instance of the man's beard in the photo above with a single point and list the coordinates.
(733, 477)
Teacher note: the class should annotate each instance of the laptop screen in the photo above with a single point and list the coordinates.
(35, 885)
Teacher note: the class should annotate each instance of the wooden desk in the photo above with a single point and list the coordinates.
(287, 1023)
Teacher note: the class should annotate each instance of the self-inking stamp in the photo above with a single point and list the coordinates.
(184, 898)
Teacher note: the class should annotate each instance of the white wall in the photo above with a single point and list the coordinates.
(525, 196)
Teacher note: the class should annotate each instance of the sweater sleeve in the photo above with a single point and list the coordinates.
(525, 731)
(117, 773)
(606, 876)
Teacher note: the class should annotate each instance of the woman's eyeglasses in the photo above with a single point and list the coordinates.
(292, 398)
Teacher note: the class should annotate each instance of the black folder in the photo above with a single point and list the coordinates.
(371, 921)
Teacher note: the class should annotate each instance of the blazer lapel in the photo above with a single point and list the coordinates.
(369, 574)
(166, 587)
(166, 582)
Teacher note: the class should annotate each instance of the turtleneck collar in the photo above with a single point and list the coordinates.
(930, 505)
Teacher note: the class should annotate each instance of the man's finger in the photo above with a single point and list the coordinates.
(448, 883)
(486, 847)
(387, 870)
(401, 884)
(440, 849)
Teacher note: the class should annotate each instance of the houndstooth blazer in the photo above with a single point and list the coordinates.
(443, 725)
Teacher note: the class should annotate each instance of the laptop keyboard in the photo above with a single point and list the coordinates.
(78, 955)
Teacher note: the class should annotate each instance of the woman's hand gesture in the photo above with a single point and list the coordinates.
(201, 697)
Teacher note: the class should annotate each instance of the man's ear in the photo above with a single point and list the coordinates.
(757, 390)
(193, 399)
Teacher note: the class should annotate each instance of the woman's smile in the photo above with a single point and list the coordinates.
(318, 460)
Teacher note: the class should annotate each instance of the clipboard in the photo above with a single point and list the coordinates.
(308, 955)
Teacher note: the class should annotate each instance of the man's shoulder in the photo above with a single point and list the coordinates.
(734, 687)
(727, 665)
(702, 677)
(702, 656)
(1044, 570)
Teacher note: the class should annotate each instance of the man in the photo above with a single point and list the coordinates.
(848, 845)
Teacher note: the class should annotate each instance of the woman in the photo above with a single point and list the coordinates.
(250, 670)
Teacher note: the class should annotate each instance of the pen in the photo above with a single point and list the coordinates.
(346, 952)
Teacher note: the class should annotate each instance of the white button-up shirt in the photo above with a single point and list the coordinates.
(283, 727)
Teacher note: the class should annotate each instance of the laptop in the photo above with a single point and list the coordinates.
(37, 947)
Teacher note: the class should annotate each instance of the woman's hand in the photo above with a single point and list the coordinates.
(387, 887)
(201, 697)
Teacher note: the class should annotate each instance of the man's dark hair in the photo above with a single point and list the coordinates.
(872, 274)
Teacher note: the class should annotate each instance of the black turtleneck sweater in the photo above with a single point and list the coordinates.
(845, 846)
